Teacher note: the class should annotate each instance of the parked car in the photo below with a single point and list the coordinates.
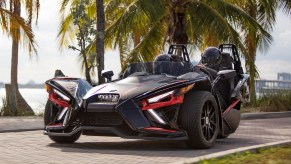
(160, 100)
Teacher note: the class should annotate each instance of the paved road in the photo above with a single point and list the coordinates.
(34, 147)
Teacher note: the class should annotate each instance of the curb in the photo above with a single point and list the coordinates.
(20, 130)
(264, 115)
(20, 124)
(232, 151)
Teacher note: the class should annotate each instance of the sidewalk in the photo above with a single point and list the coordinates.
(17, 124)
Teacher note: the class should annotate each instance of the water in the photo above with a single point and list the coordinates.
(36, 98)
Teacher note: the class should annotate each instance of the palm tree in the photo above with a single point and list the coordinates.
(85, 31)
(100, 39)
(66, 30)
(9, 20)
(264, 12)
(149, 24)
(175, 22)
(20, 31)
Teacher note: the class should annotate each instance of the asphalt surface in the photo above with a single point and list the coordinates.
(34, 147)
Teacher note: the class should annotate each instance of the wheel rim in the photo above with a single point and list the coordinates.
(208, 121)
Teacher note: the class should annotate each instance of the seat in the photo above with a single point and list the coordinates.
(226, 86)
(226, 62)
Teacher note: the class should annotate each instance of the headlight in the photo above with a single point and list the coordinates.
(64, 97)
(166, 99)
(108, 97)
(160, 97)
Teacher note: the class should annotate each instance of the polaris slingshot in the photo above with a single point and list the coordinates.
(160, 100)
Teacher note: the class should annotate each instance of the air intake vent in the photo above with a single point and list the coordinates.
(102, 119)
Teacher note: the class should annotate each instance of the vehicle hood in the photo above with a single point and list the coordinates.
(133, 86)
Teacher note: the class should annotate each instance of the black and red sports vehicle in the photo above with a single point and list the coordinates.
(161, 100)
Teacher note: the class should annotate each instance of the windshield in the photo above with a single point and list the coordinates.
(158, 68)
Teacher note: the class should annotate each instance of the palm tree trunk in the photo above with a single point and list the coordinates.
(251, 44)
(22, 106)
(83, 53)
(177, 32)
(121, 58)
(250, 65)
(100, 39)
(87, 69)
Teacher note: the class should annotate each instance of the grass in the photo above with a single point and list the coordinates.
(273, 155)
(4, 110)
(41, 114)
(276, 102)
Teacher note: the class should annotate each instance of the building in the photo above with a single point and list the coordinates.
(284, 77)
(282, 83)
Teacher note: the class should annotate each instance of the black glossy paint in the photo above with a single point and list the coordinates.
(133, 115)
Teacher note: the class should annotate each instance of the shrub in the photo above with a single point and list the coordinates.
(271, 102)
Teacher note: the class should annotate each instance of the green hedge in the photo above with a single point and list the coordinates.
(271, 102)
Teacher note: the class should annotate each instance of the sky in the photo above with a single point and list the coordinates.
(41, 68)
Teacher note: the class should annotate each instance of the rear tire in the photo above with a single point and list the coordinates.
(49, 114)
(199, 117)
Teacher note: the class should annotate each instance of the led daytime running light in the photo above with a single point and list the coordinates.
(64, 97)
(159, 97)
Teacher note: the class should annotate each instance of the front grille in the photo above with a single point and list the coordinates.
(101, 119)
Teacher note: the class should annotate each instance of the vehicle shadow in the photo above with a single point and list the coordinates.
(151, 148)
(125, 145)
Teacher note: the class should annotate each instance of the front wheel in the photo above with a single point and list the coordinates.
(49, 114)
(199, 117)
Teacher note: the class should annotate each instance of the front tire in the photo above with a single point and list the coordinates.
(199, 117)
(49, 115)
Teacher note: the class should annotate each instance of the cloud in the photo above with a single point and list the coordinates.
(278, 58)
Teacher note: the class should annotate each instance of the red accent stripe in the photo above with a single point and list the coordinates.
(172, 101)
(55, 125)
(231, 106)
(159, 129)
(62, 103)
(100, 89)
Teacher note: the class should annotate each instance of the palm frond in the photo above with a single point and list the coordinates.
(91, 10)
(243, 19)
(285, 5)
(10, 21)
(66, 32)
(208, 21)
(150, 45)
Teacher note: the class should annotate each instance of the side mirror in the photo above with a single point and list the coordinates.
(59, 73)
(226, 74)
(107, 74)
